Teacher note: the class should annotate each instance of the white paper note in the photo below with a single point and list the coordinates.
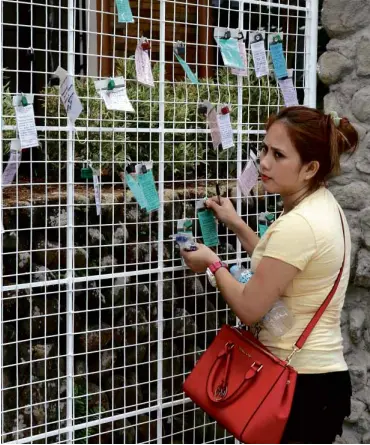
(26, 126)
(117, 99)
(248, 178)
(214, 127)
(289, 92)
(243, 55)
(227, 137)
(144, 73)
(68, 95)
(259, 58)
(13, 163)
(97, 194)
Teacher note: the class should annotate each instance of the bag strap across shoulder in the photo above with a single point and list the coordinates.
(302, 339)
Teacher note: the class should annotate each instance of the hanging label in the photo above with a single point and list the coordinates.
(26, 126)
(230, 53)
(68, 95)
(13, 163)
(248, 178)
(226, 130)
(243, 54)
(124, 11)
(144, 73)
(191, 76)
(262, 227)
(289, 92)
(214, 127)
(147, 184)
(259, 56)
(136, 190)
(97, 193)
(208, 227)
(117, 100)
(278, 59)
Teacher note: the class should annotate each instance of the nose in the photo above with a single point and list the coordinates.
(264, 163)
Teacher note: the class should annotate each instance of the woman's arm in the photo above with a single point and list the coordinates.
(251, 301)
(226, 213)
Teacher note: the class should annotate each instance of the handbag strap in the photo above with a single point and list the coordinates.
(302, 339)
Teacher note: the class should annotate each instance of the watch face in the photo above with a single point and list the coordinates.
(211, 277)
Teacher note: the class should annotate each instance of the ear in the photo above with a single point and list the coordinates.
(311, 169)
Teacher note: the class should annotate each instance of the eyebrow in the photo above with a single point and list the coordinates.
(274, 148)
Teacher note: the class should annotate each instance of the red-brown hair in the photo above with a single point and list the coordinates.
(316, 138)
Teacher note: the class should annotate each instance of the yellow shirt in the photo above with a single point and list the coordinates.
(310, 238)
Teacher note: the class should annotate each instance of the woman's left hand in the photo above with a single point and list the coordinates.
(200, 259)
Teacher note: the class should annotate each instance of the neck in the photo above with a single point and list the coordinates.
(292, 200)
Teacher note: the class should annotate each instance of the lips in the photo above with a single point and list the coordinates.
(265, 178)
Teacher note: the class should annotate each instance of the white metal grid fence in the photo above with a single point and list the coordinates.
(100, 321)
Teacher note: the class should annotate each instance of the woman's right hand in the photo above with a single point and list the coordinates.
(225, 212)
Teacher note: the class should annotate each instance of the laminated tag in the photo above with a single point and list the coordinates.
(243, 54)
(97, 193)
(259, 55)
(248, 178)
(26, 126)
(68, 95)
(230, 53)
(136, 190)
(208, 227)
(124, 11)
(213, 124)
(191, 76)
(13, 163)
(278, 59)
(115, 97)
(288, 90)
(147, 184)
(226, 130)
(144, 73)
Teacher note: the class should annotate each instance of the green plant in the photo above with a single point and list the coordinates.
(184, 152)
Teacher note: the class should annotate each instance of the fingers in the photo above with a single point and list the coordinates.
(213, 203)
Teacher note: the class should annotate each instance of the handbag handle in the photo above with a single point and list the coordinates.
(302, 339)
(220, 394)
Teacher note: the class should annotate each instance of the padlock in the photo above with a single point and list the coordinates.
(24, 101)
(145, 45)
(225, 110)
(111, 85)
(86, 173)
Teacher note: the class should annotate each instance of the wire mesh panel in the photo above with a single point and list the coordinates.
(100, 320)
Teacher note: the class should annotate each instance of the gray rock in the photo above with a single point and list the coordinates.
(96, 237)
(357, 408)
(42, 273)
(96, 338)
(57, 218)
(120, 235)
(363, 162)
(356, 324)
(24, 260)
(366, 438)
(50, 255)
(363, 56)
(362, 278)
(363, 424)
(354, 196)
(364, 217)
(361, 104)
(80, 257)
(332, 67)
(341, 17)
(346, 47)
(358, 377)
(10, 240)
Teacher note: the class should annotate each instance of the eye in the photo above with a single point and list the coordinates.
(278, 155)
(263, 148)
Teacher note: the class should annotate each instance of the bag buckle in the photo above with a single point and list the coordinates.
(260, 366)
(291, 355)
(221, 391)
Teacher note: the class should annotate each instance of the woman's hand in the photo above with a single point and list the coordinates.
(200, 259)
(225, 212)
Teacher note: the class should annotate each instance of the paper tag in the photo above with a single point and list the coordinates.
(26, 126)
(136, 190)
(68, 95)
(144, 73)
(214, 127)
(124, 11)
(97, 193)
(225, 130)
(259, 58)
(147, 184)
(289, 92)
(243, 54)
(248, 178)
(278, 60)
(208, 227)
(13, 163)
(117, 100)
(262, 228)
(192, 77)
(230, 53)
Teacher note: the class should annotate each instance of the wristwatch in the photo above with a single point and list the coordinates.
(212, 269)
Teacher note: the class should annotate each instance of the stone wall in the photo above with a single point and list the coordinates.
(345, 68)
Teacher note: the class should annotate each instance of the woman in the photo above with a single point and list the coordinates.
(297, 260)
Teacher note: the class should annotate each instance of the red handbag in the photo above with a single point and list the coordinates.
(243, 386)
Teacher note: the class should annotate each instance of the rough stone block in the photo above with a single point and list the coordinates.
(363, 56)
(361, 104)
(332, 67)
(358, 377)
(341, 17)
(362, 278)
(353, 196)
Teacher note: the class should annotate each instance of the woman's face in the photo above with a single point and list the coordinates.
(281, 168)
